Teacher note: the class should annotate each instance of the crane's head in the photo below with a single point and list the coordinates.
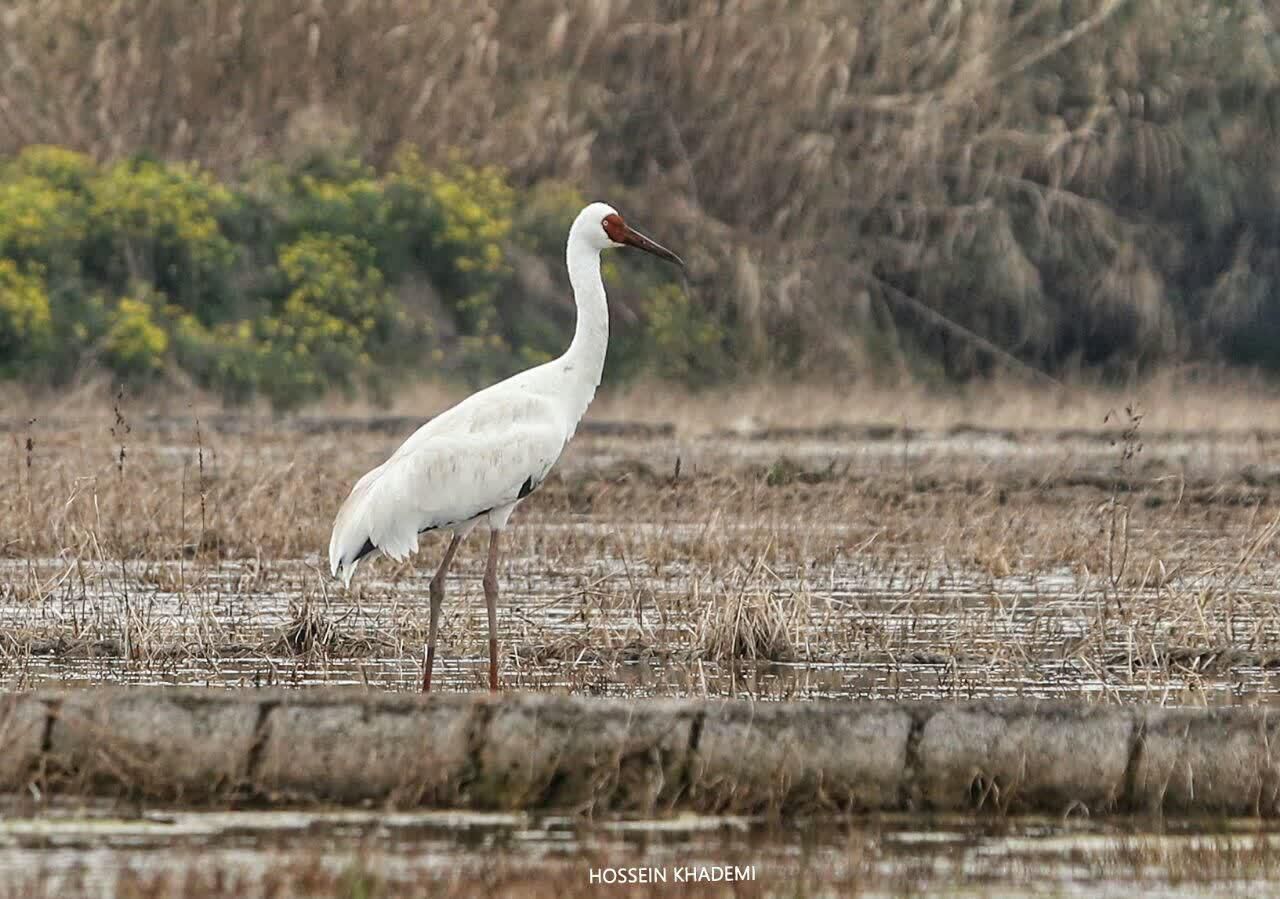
(602, 227)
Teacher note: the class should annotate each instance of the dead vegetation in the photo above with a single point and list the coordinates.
(757, 615)
(847, 559)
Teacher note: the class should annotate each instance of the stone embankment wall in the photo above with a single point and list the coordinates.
(525, 751)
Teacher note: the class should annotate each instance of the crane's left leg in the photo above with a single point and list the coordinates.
(437, 600)
(491, 601)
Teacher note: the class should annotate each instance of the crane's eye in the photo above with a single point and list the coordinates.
(614, 228)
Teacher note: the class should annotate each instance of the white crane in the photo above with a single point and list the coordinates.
(474, 462)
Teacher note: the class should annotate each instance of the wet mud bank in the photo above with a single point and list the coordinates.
(528, 751)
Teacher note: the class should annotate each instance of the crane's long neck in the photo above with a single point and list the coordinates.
(584, 360)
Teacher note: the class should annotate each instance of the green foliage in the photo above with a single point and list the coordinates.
(26, 324)
(324, 194)
(228, 358)
(135, 345)
(292, 282)
(542, 214)
(466, 255)
(160, 223)
(681, 341)
(470, 211)
(64, 169)
(287, 284)
(336, 312)
(448, 226)
(40, 222)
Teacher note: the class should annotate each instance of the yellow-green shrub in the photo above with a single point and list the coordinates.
(292, 282)
(26, 324)
(161, 223)
(469, 210)
(227, 357)
(543, 215)
(335, 276)
(40, 221)
(476, 206)
(681, 340)
(336, 309)
(135, 344)
(64, 169)
(327, 196)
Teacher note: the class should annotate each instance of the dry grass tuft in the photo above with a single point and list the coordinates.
(751, 618)
(308, 631)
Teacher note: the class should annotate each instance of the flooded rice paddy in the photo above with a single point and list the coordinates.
(854, 632)
(856, 563)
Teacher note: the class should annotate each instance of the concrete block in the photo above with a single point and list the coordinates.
(176, 745)
(345, 749)
(1024, 756)
(23, 718)
(1218, 761)
(566, 752)
(757, 756)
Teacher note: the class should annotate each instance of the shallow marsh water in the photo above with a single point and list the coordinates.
(855, 629)
(101, 849)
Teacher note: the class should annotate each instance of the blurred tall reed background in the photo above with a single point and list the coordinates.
(278, 199)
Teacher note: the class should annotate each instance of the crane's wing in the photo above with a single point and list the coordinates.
(444, 479)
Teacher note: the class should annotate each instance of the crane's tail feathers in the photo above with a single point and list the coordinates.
(343, 564)
(347, 572)
(345, 554)
(362, 528)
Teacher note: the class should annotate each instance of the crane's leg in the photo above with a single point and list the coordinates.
(491, 601)
(437, 600)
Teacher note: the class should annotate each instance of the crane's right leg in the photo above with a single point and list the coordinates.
(437, 600)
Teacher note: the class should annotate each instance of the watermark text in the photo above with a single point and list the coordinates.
(674, 874)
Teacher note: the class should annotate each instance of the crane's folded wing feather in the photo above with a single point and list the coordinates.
(443, 480)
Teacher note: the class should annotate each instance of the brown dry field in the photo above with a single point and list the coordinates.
(773, 542)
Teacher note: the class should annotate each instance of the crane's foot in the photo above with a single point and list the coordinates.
(493, 666)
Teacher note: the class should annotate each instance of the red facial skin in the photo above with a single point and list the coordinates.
(619, 231)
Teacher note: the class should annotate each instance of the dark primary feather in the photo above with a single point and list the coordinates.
(364, 551)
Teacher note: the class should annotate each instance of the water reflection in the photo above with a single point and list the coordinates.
(95, 846)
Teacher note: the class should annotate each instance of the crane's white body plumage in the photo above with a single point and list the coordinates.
(478, 459)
